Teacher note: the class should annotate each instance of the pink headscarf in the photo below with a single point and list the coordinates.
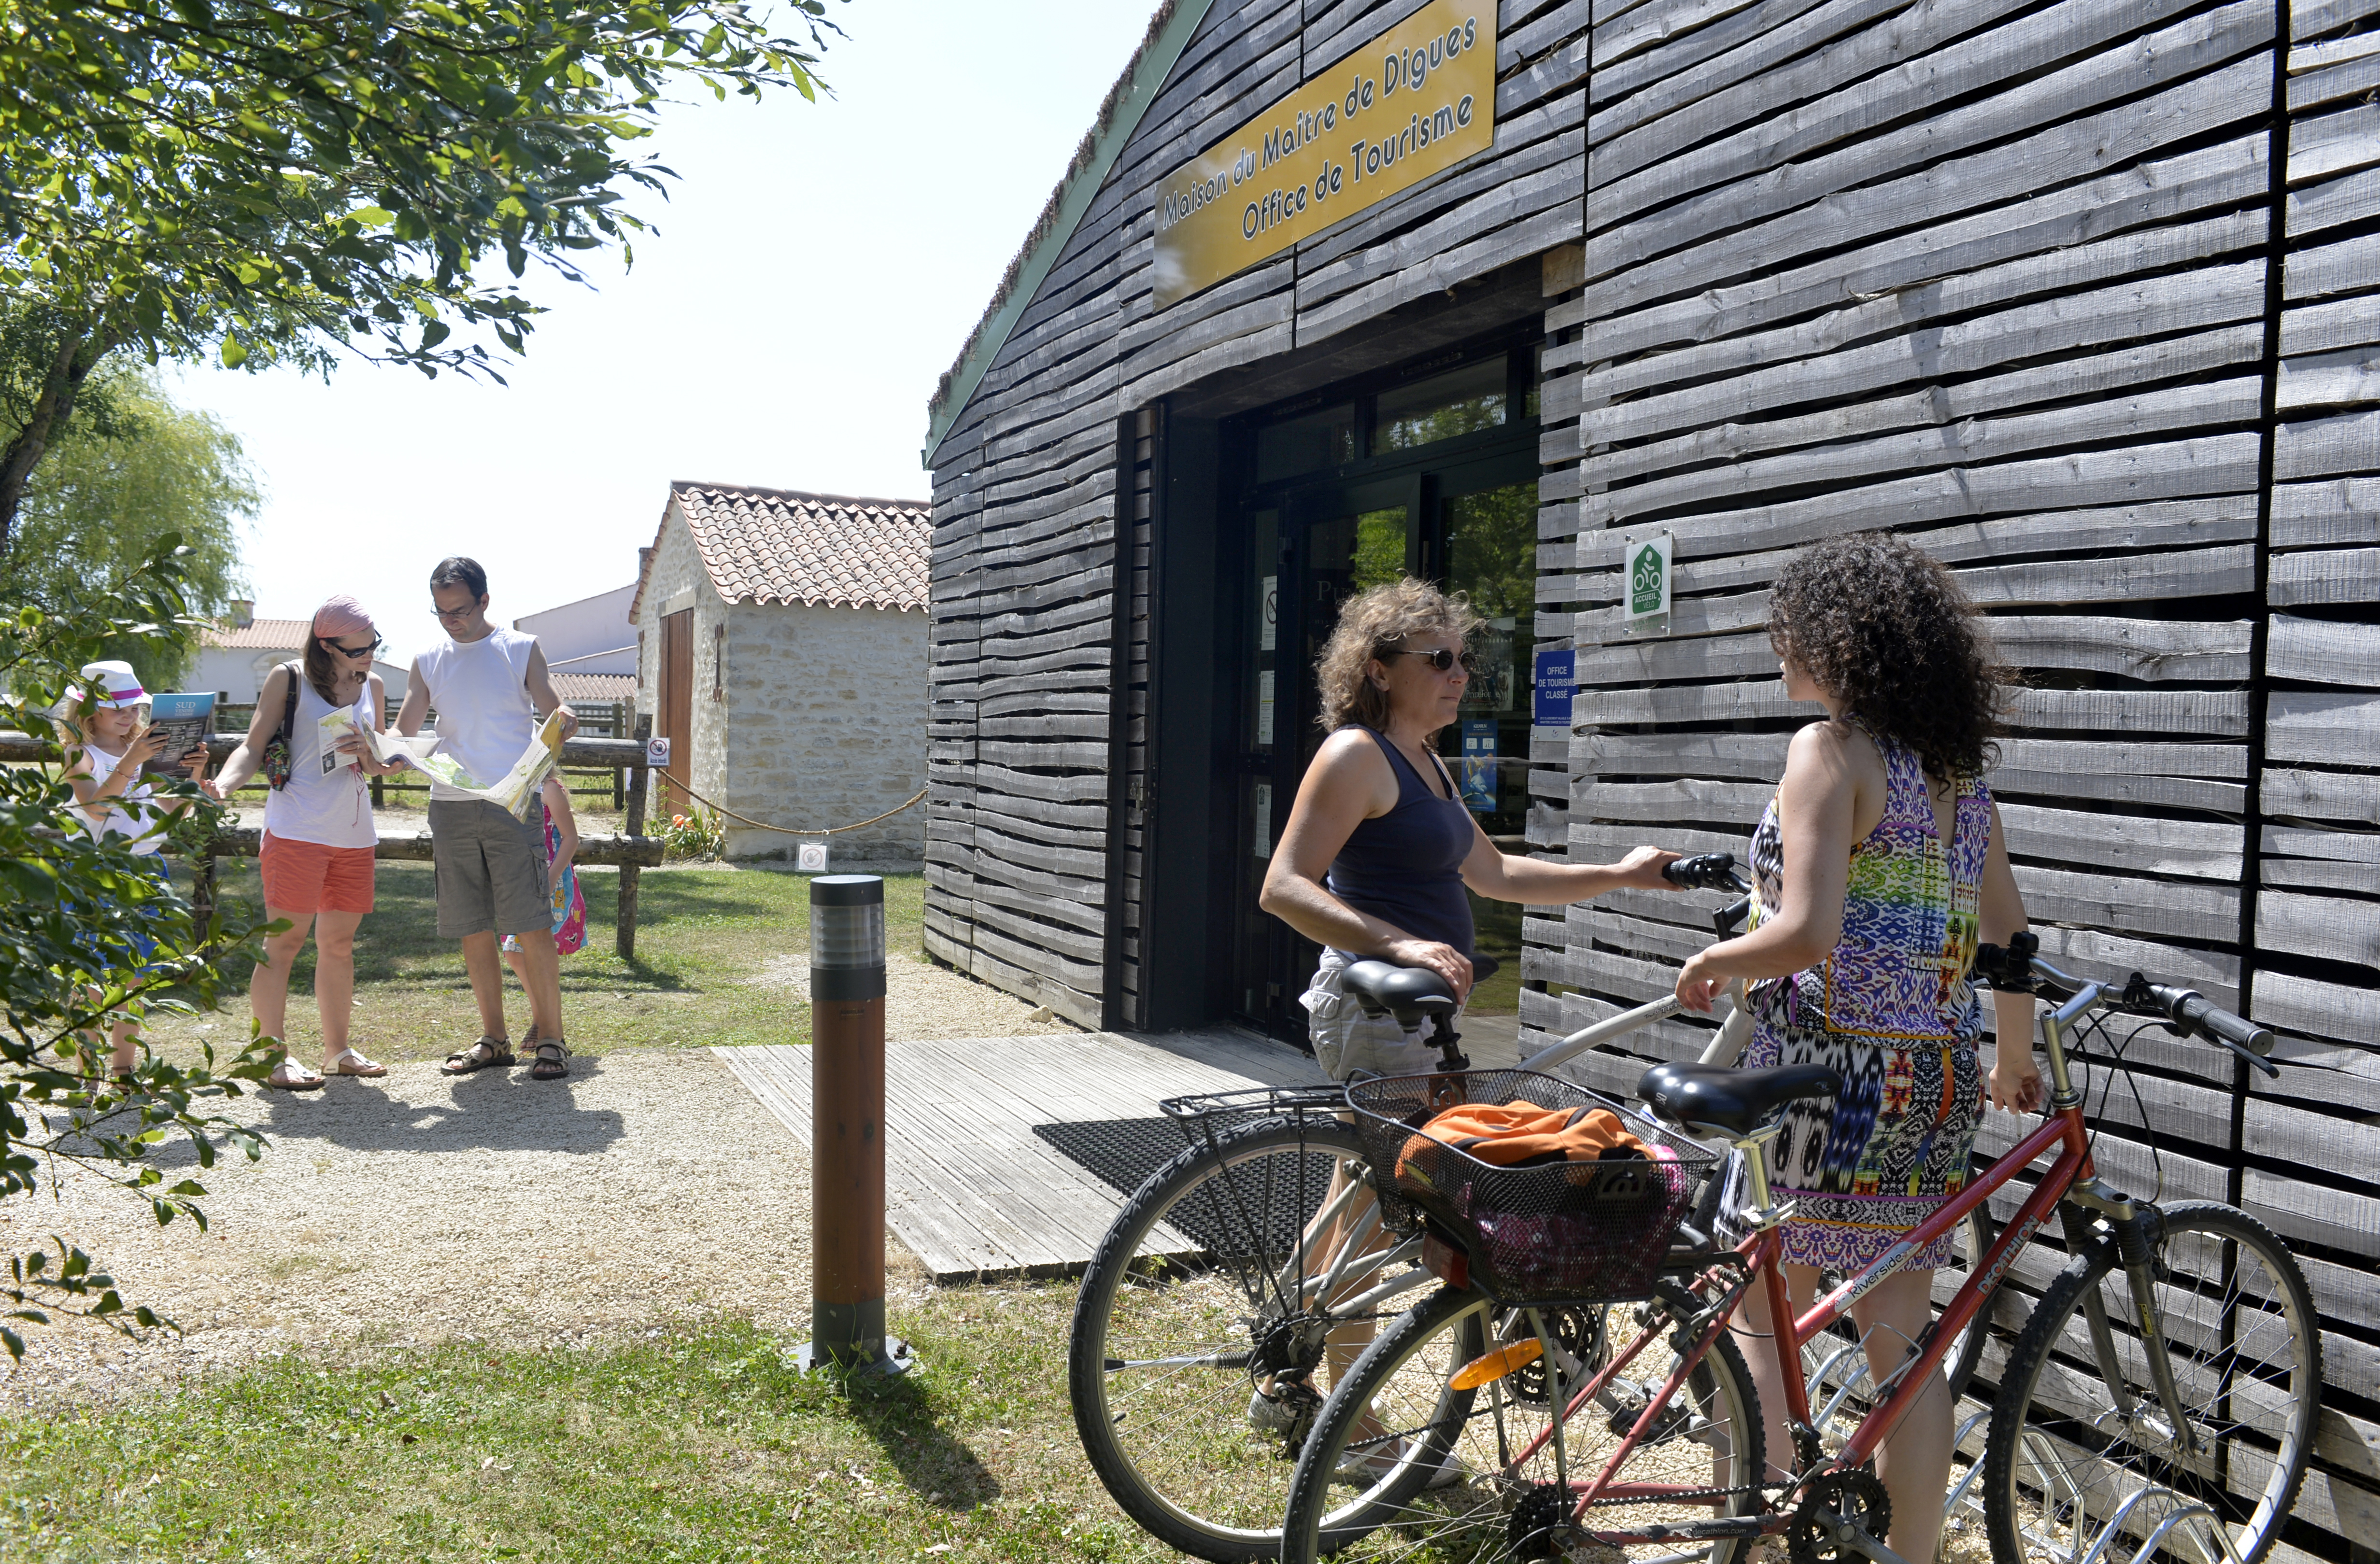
(341, 615)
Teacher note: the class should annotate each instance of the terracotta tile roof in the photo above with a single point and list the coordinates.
(595, 687)
(777, 546)
(261, 635)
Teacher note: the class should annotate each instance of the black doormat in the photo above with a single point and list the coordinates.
(1274, 1196)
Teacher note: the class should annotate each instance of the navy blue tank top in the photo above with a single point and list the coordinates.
(1406, 867)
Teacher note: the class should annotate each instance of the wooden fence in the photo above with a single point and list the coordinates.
(631, 852)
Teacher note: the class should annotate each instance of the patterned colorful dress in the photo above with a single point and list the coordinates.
(1893, 1011)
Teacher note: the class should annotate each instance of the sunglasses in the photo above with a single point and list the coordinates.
(361, 651)
(1441, 660)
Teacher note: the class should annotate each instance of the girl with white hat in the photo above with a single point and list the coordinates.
(104, 730)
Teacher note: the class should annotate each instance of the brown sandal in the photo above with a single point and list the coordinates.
(553, 1065)
(488, 1052)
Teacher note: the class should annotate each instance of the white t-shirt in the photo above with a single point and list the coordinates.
(333, 807)
(480, 690)
(128, 816)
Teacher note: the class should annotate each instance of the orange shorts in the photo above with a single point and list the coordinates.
(306, 877)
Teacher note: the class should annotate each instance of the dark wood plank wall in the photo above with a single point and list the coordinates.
(1026, 484)
(2005, 277)
(2312, 1154)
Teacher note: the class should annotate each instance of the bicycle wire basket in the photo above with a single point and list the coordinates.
(1553, 1233)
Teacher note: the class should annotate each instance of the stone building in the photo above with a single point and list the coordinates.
(781, 646)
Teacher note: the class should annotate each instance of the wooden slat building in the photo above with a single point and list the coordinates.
(2083, 295)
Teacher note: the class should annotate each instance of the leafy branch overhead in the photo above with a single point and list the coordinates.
(279, 181)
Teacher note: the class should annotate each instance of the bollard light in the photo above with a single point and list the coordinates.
(847, 1130)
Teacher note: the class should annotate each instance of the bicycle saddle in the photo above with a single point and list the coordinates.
(1411, 994)
(1690, 1097)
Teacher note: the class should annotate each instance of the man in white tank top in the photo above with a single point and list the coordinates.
(488, 685)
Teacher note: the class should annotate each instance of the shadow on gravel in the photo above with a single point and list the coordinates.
(493, 1110)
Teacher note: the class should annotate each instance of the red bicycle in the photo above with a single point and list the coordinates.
(2161, 1399)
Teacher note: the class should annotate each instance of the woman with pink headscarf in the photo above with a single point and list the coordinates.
(317, 861)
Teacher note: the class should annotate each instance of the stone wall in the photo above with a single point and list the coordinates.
(827, 717)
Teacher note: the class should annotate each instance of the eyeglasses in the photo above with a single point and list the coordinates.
(1441, 659)
(366, 650)
(443, 614)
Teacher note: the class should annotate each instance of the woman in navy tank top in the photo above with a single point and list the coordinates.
(1380, 848)
(1376, 858)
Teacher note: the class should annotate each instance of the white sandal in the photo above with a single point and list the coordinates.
(362, 1066)
(291, 1076)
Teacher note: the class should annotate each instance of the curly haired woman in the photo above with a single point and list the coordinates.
(1880, 864)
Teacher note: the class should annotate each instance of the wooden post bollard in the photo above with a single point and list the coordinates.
(624, 935)
(847, 1130)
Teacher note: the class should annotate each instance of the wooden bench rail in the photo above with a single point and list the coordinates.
(632, 852)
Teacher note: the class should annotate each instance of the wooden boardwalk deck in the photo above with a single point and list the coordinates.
(969, 1188)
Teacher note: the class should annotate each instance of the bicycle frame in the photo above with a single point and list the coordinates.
(1762, 1253)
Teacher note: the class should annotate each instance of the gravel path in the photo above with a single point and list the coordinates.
(651, 1184)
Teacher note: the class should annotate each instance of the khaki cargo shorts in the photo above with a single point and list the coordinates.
(1347, 1041)
(490, 870)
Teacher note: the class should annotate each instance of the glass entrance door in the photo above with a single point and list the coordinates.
(1469, 529)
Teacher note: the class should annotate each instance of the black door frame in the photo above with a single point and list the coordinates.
(1203, 494)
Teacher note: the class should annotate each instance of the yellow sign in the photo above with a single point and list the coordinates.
(1414, 101)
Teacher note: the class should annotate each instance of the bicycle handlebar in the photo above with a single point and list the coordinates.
(1704, 872)
(2020, 969)
(1712, 871)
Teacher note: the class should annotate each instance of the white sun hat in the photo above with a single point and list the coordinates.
(110, 685)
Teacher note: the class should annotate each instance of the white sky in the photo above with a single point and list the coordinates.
(818, 267)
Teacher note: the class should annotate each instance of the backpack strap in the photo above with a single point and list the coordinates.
(289, 702)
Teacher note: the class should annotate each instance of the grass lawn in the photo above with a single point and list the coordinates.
(702, 936)
(694, 1445)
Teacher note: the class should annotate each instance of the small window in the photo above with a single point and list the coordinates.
(1307, 443)
(1459, 402)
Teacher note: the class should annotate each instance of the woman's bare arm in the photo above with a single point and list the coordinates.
(1499, 876)
(240, 765)
(1999, 912)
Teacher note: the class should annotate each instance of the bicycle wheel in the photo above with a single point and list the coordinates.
(1200, 1289)
(2086, 1459)
(1400, 1468)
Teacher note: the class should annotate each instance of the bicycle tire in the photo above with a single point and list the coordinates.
(1176, 1450)
(1501, 1504)
(2064, 1453)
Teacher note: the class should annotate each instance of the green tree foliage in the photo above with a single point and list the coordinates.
(260, 181)
(117, 485)
(75, 915)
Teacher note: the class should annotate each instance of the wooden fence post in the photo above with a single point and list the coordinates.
(630, 873)
(203, 891)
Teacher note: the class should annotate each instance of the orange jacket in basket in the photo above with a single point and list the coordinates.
(1522, 1131)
